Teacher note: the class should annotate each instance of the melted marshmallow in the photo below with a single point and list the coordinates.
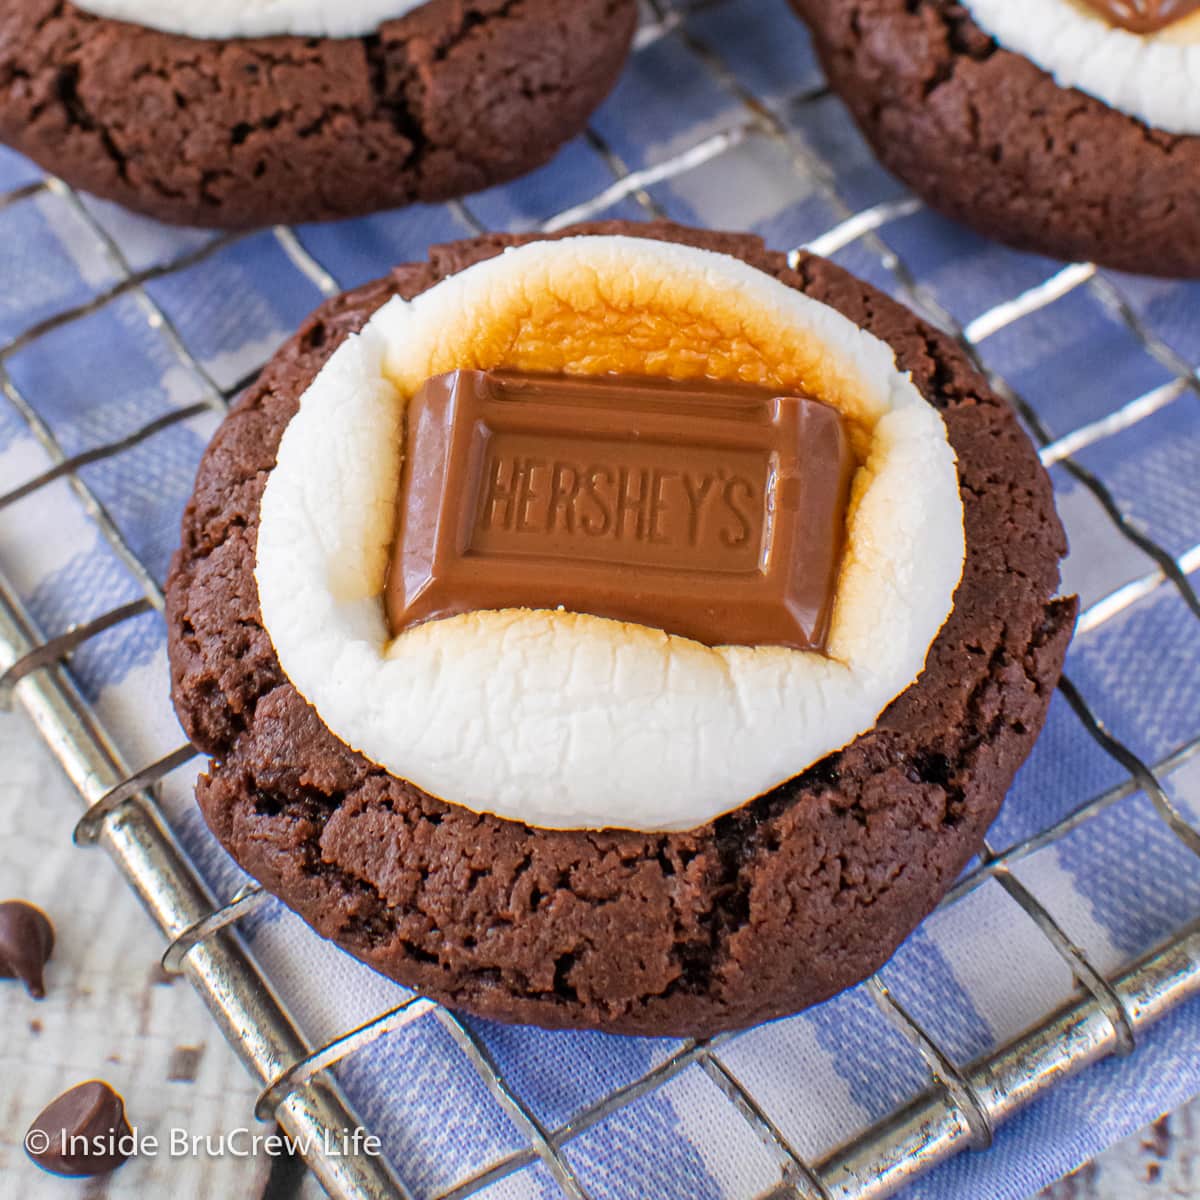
(571, 721)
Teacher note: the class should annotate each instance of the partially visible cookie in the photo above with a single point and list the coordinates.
(776, 905)
(451, 97)
(996, 132)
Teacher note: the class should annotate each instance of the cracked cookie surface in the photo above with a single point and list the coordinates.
(988, 138)
(455, 96)
(762, 912)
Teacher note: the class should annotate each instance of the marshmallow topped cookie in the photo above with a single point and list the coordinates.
(234, 115)
(289, 649)
(1066, 127)
(565, 719)
(1141, 57)
(254, 18)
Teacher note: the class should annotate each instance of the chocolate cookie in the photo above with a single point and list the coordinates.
(453, 97)
(764, 911)
(985, 136)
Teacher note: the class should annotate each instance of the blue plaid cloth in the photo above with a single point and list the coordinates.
(92, 362)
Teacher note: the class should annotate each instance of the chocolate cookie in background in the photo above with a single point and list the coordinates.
(232, 114)
(559, 817)
(1066, 127)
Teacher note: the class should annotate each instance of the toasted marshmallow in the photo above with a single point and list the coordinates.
(254, 18)
(563, 720)
(1152, 77)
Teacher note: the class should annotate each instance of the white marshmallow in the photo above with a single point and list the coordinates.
(563, 720)
(254, 18)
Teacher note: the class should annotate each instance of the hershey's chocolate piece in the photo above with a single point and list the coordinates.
(1144, 16)
(713, 511)
(26, 943)
(82, 1132)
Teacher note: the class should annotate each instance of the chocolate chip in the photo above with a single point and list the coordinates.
(26, 943)
(80, 1133)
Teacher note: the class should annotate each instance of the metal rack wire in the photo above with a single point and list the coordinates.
(962, 1102)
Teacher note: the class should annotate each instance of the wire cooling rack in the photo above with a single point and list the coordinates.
(790, 152)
